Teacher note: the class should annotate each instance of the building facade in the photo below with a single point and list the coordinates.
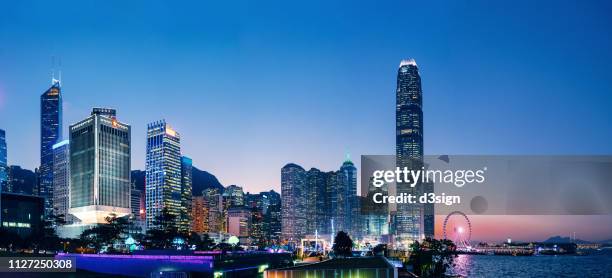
(3, 161)
(163, 173)
(410, 218)
(99, 167)
(138, 179)
(316, 186)
(265, 217)
(348, 216)
(61, 181)
(22, 214)
(316, 202)
(272, 217)
(137, 202)
(199, 215)
(50, 134)
(186, 194)
(239, 222)
(294, 210)
(213, 198)
(234, 196)
(21, 181)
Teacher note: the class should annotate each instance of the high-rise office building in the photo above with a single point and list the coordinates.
(22, 214)
(234, 196)
(99, 167)
(61, 181)
(270, 198)
(257, 228)
(3, 161)
(213, 198)
(163, 177)
(186, 194)
(410, 218)
(50, 134)
(255, 201)
(259, 205)
(272, 216)
(317, 198)
(331, 204)
(265, 217)
(294, 210)
(316, 202)
(136, 202)
(239, 222)
(375, 219)
(348, 209)
(199, 215)
(21, 181)
(137, 195)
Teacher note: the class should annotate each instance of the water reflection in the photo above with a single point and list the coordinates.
(598, 264)
(463, 264)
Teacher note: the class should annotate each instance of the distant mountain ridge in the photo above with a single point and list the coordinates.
(560, 239)
(203, 180)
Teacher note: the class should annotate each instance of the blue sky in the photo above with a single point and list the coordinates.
(253, 85)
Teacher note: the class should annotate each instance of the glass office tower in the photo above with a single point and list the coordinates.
(293, 210)
(163, 173)
(410, 218)
(3, 161)
(186, 195)
(50, 134)
(99, 167)
(61, 180)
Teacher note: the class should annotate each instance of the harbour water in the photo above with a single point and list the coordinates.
(596, 264)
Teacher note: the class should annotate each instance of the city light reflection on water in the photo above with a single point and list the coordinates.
(463, 263)
(594, 265)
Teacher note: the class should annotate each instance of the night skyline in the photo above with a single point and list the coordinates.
(246, 90)
(341, 66)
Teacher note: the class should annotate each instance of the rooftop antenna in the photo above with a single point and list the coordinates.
(53, 80)
(60, 71)
(52, 69)
(347, 155)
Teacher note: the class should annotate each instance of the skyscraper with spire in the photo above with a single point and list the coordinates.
(50, 134)
(410, 218)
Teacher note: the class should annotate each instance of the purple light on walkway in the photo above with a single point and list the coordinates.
(140, 265)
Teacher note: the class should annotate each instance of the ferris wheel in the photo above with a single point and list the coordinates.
(458, 228)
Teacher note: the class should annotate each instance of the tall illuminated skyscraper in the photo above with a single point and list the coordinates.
(99, 167)
(316, 201)
(234, 196)
(199, 215)
(272, 216)
(3, 161)
(410, 218)
(50, 133)
(312, 200)
(293, 210)
(61, 180)
(348, 210)
(212, 197)
(163, 173)
(186, 194)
